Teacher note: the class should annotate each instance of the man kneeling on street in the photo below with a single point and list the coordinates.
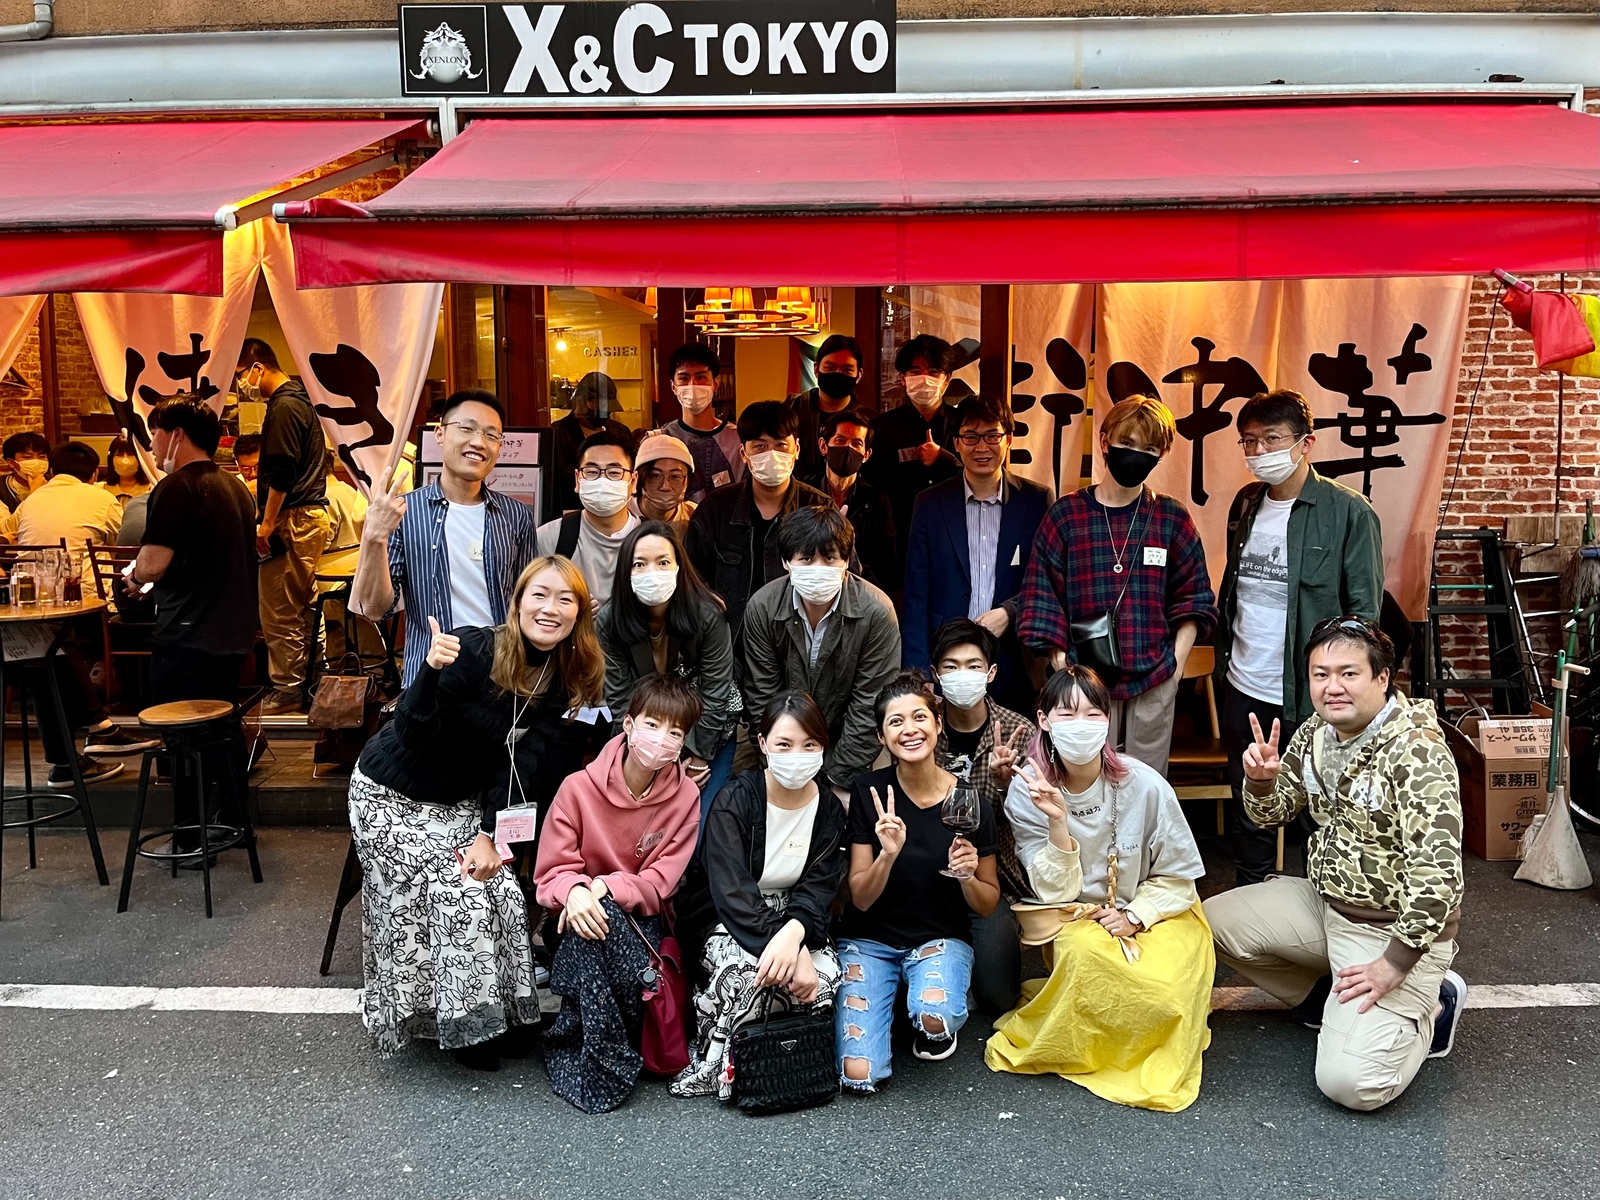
(1363, 946)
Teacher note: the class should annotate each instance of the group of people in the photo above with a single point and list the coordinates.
(745, 709)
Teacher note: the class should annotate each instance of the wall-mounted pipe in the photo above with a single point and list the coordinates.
(44, 20)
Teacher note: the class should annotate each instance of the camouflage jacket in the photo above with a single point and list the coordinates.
(1390, 838)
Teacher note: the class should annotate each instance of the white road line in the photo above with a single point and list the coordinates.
(308, 1001)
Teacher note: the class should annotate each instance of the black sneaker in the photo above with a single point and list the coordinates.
(115, 741)
(93, 772)
(931, 1049)
(1309, 1011)
(1452, 999)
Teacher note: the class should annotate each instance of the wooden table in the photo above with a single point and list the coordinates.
(29, 632)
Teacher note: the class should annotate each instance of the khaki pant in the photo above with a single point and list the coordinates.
(1282, 936)
(286, 590)
(1145, 724)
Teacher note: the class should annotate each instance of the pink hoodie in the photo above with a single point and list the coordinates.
(595, 829)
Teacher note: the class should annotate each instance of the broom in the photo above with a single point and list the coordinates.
(1551, 855)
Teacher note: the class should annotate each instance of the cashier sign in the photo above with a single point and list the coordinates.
(600, 48)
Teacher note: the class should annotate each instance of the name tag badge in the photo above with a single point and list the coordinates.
(1155, 556)
(513, 825)
(910, 452)
(475, 551)
(721, 479)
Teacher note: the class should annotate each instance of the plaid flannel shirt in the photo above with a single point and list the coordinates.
(1070, 576)
(1001, 729)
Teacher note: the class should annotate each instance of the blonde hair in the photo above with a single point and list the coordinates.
(1143, 416)
(579, 661)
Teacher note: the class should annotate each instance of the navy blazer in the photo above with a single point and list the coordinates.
(938, 571)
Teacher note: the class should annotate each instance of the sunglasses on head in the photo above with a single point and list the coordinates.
(1366, 630)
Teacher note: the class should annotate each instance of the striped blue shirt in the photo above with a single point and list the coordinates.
(419, 564)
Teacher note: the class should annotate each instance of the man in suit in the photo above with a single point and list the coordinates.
(983, 521)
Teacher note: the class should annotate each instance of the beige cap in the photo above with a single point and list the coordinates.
(663, 445)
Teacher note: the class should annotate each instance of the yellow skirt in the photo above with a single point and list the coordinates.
(1131, 1033)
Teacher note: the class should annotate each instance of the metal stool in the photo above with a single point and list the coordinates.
(188, 729)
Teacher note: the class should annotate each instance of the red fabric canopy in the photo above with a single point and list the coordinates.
(971, 197)
(132, 207)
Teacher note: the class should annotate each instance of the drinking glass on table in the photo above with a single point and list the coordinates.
(960, 812)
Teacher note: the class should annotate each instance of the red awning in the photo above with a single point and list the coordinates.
(967, 197)
(133, 206)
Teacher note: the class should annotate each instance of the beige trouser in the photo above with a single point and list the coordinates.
(1283, 937)
(286, 589)
(1145, 723)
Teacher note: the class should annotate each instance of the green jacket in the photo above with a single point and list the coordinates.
(1335, 570)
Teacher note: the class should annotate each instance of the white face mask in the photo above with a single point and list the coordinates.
(964, 689)
(1079, 740)
(772, 468)
(1276, 466)
(695, 397)
(794, 769)
(925, 390)
(819, 585)
(32, 468)
(654, 587)
(603, 497)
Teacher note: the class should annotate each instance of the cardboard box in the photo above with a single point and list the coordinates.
(1503, 763)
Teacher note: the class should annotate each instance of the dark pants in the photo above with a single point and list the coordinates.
(182, 674)
(1255, 850)
(78, 699)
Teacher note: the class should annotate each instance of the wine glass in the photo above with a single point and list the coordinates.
(960, 812)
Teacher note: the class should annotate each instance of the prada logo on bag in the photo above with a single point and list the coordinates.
(790, 1044)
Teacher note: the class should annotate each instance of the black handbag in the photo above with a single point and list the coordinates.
(1094, 642)
(784, 1064)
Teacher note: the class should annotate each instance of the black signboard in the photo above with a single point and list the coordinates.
(673, 48)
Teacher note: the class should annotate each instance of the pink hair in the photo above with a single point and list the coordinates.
(1042, 751)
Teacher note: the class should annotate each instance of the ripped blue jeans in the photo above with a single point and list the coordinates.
(936, 973)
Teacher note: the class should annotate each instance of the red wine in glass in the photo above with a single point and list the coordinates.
(960, 813)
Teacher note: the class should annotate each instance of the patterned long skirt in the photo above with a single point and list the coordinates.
(445, 957)
(730, 1000)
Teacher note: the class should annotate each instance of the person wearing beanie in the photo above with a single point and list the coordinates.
(663, 468)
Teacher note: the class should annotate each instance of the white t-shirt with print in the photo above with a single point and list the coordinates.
(1261, 614)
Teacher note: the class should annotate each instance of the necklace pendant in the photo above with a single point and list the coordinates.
(1116, 568)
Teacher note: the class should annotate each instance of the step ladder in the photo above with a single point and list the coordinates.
(1492, 598)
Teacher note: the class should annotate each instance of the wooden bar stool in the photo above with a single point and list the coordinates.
(189, 729)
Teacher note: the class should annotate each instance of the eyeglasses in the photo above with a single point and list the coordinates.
(1273, 442)
(670, 478)
(614, 473)
(469, 429)
(993, 438)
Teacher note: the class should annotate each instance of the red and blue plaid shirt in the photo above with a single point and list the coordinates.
(1070, 577)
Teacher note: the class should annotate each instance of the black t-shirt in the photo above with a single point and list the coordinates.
(207, 598)
(962, 747)
(760, 527)
(918, 905)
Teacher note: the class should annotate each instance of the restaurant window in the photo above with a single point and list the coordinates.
(952, 313)
(469, 311)
(600, 344)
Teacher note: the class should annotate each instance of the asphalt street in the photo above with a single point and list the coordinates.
(267, 1104)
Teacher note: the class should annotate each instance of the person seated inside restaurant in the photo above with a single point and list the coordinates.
(445, 949)
(664, 466)
(772, 849)
(247, 457)
(663, 620)
(592, 536)
(825, 631)
(123, 475)
(27, 465)
(981, 741)
(914, 889)
(712, 441)
(1106, 846)
(838, 377)
(845, 446)
(69, 506)
(347, 513)
(593, 400)
(614, 848)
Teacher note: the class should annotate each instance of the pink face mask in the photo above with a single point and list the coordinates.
(653, 749)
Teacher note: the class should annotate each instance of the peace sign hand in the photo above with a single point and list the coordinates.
(385, 509)
(891, 830)
(1261, 761)
(444, 649)
(1045, 795)
(1003, 759)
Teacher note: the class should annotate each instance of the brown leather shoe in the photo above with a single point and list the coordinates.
(281, 703)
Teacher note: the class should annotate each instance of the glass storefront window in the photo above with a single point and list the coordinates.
(600, 344)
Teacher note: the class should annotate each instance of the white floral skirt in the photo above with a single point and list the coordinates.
(445, 956)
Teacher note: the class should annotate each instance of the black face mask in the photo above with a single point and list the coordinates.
(836, 386)
(844, 461)
(1128, 467)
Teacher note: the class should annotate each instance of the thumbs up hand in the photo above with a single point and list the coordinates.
(444, 649)
(928, 452)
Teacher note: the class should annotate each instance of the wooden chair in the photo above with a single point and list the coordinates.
(1202, 755)
(128, 624)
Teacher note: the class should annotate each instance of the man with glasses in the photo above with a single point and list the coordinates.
(592, 536)
(1301, 548)
(664, 466)
(450, 550)
(1362, 947)
(968, 549)
(844, 445)
(838, 375)
(292, 499)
